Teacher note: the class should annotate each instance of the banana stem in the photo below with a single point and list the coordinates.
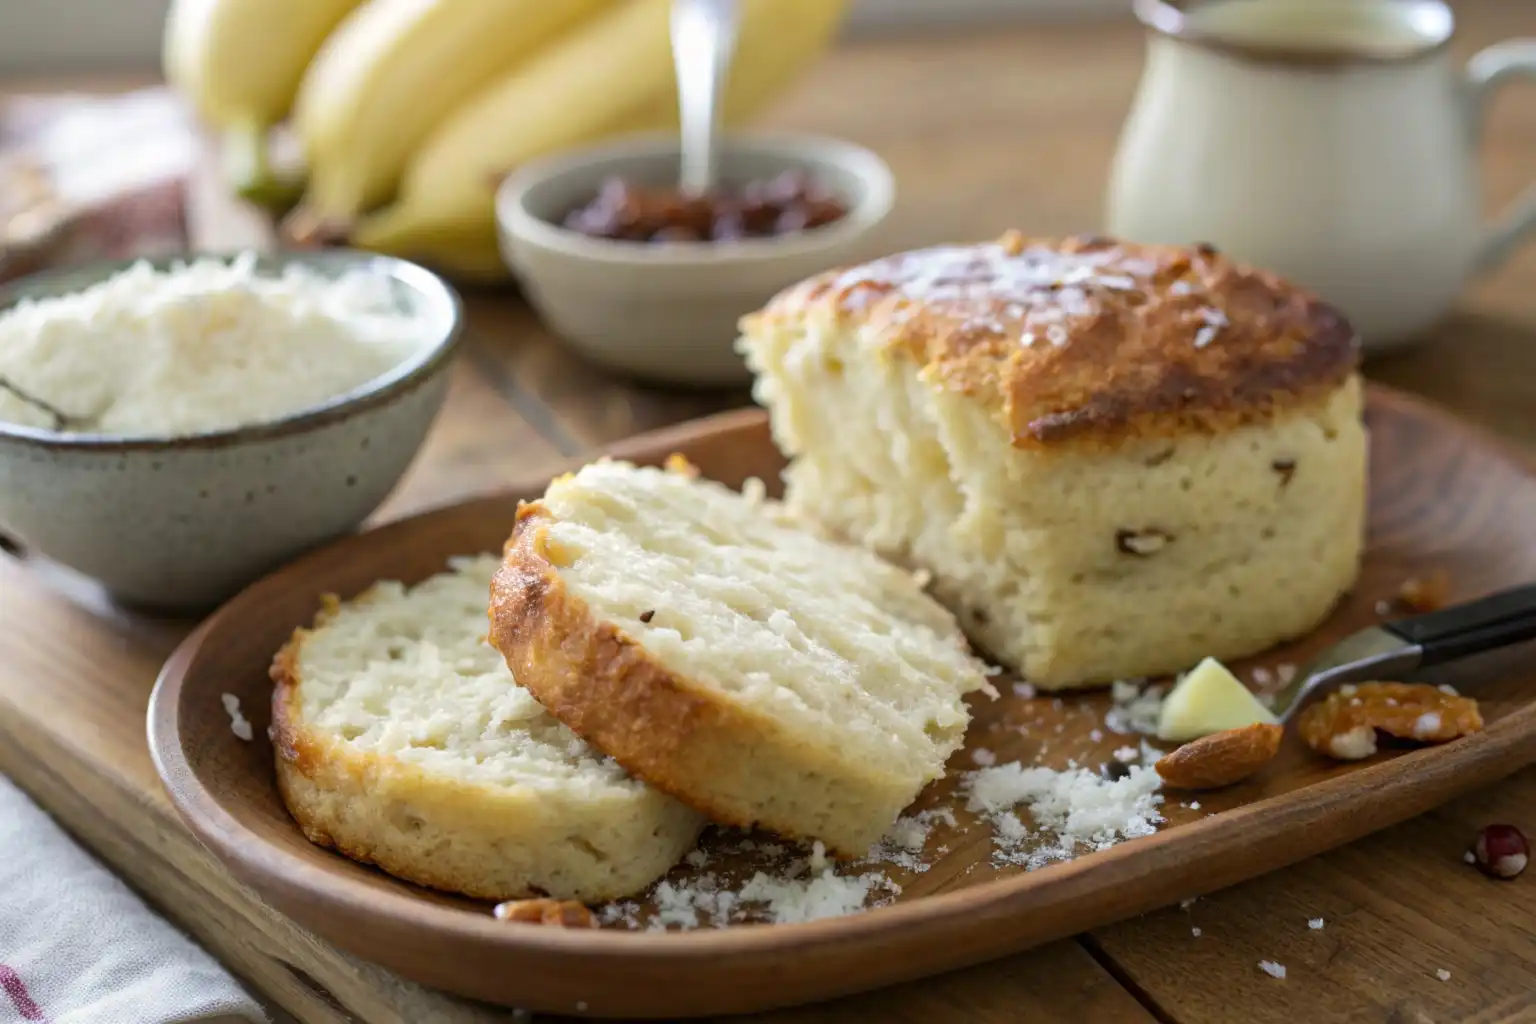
(249, 172)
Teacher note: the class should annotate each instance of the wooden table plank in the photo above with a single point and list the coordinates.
(1056, 984)
(1397, 907)
(579, 406)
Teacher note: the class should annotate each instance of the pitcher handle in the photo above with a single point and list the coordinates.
(1488, 69)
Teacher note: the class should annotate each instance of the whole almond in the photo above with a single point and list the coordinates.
(1222, 758)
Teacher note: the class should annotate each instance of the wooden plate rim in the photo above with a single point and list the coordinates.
(1504, 748)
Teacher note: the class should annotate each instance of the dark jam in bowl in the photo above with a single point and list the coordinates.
(783, 205)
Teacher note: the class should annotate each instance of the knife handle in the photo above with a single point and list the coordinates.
(1498, 620)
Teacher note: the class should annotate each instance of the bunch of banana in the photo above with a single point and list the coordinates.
(410, 110)
(614, 76)
(240, 62)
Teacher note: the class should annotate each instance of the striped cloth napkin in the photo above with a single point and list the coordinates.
(78, 947)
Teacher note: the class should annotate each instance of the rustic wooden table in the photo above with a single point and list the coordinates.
(984, 130)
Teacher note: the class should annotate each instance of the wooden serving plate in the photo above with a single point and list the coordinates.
(1443, 497)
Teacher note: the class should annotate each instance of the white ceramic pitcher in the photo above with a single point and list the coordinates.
(1332, 141)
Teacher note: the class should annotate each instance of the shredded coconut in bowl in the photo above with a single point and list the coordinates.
(210, 345)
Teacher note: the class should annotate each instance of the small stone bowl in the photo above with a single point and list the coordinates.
(177, 524)
(667, 312)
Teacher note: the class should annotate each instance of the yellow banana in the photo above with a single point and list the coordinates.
(393, 71)
(612, 76)
(239, 63)
(466, 259)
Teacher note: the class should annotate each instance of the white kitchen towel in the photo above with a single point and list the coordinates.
(78, 947)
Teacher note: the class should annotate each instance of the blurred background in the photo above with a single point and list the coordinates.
(59, 35)
(990, 114)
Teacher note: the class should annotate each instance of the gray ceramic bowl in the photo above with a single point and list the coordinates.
(182, 523)
(667, 312)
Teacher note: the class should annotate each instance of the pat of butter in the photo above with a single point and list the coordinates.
(1209, 699)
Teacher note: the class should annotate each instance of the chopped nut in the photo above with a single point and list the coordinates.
(678, 463)
(1425, 593)
(559, 913)
(1142, 543)
(1344, 724)
(1222, 758)
(1501, 851)
(648, 615)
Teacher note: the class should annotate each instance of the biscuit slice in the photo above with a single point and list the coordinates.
(403, 741)
(729, 656)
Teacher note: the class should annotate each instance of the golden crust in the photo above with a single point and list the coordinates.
(1089, 339)
(608, 690)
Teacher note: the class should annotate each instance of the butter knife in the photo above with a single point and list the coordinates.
(1394, 649)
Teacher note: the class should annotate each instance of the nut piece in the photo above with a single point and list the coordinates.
(560, 913)
(1222, 758)
(1142, 543)
(1428, 593)
(1344, 724)
(1501, 851)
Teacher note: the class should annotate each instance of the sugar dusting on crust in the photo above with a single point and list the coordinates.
(1092, 337)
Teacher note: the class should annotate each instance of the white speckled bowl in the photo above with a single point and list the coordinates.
(667, 312)
(182, 523)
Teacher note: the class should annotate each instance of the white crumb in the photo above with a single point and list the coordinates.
(1286, 673)
(1194, 805)
(237, 721)
(1135, 710)
(1195, 932)
(984, 757)
(1443, 974)
(1071, 810)
(1096, 735)
(1024, 691)
(825, 895)
(1186, 904)
(1261, 676)
(1272, 969)
(1126, 754)
(1315, 923)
